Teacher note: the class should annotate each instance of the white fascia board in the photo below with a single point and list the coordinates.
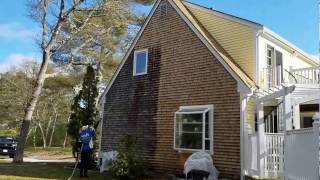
(226, 16)
(277, 39)
(124, 59)
(210, 48)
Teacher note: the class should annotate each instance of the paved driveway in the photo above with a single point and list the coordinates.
(34, 159)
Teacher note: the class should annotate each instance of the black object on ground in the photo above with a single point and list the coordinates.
(194, 175)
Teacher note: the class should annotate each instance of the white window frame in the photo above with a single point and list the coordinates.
(135, 62)
(211, 113)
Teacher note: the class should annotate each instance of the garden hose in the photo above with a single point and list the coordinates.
(77, 162)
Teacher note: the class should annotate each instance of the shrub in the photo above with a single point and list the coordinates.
(8, 132)
(129, 164)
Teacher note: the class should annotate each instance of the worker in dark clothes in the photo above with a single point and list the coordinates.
(86, 140)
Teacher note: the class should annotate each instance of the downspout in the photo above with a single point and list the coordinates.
(244, 94)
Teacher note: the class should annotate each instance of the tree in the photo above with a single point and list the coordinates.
(84, 111)
(71, 27)
(51, 14)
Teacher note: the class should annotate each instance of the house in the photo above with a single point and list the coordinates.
(196, 79)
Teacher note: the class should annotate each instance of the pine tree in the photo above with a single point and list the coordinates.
(84, 111)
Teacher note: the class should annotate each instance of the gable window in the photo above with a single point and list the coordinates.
(163, 10)
(140, 62)
(193, 129)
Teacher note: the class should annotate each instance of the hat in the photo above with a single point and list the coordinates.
(84, 127)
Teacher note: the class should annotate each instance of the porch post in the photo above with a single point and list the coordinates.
(296, 116)
(261, 147)
(287, 109)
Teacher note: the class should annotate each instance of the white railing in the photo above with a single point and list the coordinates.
(275, 76)
(302, 154)
(271, 77)
(273, 160)
(274, 122)
(309, 75)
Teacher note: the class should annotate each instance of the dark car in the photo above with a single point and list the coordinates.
(8, 146)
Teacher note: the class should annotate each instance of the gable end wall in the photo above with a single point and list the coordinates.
(181, 72)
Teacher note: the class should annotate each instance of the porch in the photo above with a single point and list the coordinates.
(286, 141)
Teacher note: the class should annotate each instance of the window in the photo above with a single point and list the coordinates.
(274, 67)
(270, 64)
(163, 10)
(270, 56)
(140, 62)
(194, 128)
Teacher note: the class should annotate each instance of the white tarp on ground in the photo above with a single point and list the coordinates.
(316, 117)
(106, 158)
(201, 161)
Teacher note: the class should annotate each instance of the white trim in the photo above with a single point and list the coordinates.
(206, 43)
(307, 99)
(210, 109)
(284, 91)
(135, 62)
(226, 16)
(124, 59)
(243, 108)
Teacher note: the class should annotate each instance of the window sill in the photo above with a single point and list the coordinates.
(190, 151)
(139, 74)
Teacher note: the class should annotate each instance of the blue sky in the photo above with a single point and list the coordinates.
(295, 20)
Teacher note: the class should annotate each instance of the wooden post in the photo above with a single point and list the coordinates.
(261, 148)
(287, 109)
(296, 116)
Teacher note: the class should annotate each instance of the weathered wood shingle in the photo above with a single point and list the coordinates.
(181, 71)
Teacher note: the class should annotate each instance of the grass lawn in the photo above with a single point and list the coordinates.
(37, 171)
(48, 153)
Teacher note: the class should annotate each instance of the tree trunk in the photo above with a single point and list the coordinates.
(43, 135)
(54, 125)
(48, 127)
(18, 158)
(66, 134)
(34, 137)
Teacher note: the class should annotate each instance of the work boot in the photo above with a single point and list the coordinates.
(86, 174)
(81, 173)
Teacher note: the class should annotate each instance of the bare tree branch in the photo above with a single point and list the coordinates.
(44, 24)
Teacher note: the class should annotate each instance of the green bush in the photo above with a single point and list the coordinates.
(8, 132)
(129, 164)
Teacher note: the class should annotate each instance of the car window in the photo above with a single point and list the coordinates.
(6, 139)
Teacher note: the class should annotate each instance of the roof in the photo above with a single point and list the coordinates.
(223, 13)
(183, 9)
(215, 46)
(266, 32)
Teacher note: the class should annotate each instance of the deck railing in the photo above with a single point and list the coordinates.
(274, 77)
(309, 75)
(273, 161)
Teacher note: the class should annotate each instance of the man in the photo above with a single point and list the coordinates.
(86, 140)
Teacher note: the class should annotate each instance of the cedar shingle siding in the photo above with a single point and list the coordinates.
(181, 72)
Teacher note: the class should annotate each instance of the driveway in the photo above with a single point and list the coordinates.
(34, 159)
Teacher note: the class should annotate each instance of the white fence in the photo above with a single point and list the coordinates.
(302, 154)
(273, 161)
